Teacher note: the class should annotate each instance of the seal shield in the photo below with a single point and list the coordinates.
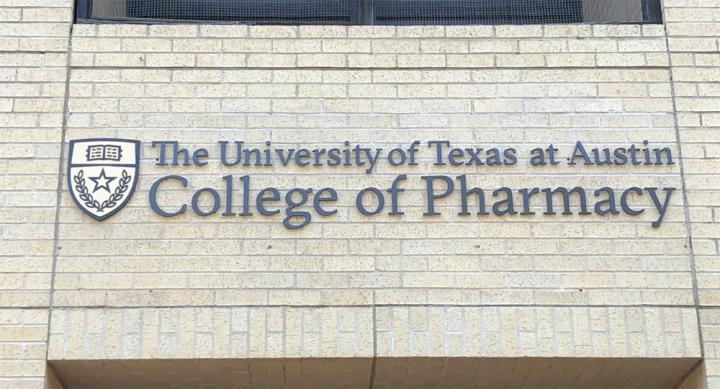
(102, 174)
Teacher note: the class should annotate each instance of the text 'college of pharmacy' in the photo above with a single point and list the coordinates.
(235, 195)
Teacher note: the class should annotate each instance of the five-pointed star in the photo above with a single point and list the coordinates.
(102, 181)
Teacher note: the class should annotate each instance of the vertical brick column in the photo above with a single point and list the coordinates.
(693, 27)
(33, 70)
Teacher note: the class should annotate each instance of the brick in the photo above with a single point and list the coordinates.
(247, 287)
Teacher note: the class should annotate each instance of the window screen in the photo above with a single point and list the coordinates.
(477, 12)
(260, 11)
(380, 12)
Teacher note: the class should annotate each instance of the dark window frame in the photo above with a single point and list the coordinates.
(362, 13)
(83, 10)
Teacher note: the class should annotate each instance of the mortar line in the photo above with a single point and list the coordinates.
(368, 306)
(346, 68)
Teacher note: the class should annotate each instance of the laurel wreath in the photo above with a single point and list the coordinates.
(89, 200)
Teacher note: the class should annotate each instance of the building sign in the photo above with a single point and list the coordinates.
(102, 174)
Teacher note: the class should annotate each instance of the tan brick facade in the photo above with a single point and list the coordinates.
(355, 300)
(693, 28)
(34, 38)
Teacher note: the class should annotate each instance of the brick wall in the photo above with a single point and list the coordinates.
(141, 286)
(320, 86)
(33, 68)
(693, 28)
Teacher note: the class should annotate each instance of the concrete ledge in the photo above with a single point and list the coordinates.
(383, 373)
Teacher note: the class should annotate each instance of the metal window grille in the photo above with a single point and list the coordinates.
(379, 12)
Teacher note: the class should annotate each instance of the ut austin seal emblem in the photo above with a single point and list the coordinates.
(102, 174)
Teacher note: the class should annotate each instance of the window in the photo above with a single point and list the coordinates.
(372, 12)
